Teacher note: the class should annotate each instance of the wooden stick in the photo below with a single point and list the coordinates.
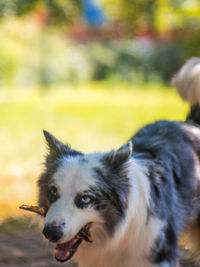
(35, 209)
(85, 234)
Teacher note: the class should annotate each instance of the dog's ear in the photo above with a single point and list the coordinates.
(118, 157)
(125, 151)
(116, 165)
(55, 146)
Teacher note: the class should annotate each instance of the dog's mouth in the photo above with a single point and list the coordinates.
(64, 251)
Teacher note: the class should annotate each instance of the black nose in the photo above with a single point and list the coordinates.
(52, 233)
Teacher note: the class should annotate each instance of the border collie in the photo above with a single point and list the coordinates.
(127, 207)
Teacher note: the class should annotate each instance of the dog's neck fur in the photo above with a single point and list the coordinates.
(133, 238)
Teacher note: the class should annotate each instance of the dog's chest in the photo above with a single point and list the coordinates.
(135, 256)
(133, 250)
(115, 262)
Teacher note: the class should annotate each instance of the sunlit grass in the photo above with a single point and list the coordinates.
(90, 118)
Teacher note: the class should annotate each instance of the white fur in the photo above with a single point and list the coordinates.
(192, 130)
(187, 81)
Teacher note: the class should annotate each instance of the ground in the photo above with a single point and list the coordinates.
(26, 249)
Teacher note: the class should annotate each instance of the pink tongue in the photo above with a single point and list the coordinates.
(62, 249)
(60, 254)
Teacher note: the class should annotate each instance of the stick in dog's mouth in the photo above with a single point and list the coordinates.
(35, 209)
(64, 251)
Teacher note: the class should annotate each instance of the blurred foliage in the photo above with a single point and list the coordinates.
(133, 61)
(13, 225)
(134, 13)
(137, 13)
(58, 11)
(36, 47)
(66, 61)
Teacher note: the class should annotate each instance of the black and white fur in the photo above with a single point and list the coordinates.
(139, 198)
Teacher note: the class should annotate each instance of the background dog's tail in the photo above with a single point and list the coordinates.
(187, 82)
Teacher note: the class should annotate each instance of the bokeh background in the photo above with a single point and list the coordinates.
(92, 72)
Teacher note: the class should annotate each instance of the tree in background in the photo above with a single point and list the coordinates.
(171, 27)
(134, 13)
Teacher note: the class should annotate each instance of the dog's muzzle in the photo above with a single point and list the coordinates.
(53, 232)
(65, 250)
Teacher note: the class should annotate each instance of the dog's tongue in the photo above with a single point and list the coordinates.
(62, 251)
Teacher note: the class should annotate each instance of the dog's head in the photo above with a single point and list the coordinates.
(80, 192)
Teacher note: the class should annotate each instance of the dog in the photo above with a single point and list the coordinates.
(127, 207)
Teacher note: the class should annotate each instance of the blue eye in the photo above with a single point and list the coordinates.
(85, 199)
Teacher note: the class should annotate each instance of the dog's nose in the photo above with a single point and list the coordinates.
(52, 232)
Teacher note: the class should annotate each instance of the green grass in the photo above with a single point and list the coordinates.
(90, 118)
(14, 225)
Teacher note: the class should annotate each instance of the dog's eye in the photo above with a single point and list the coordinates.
(82, 201)
(85, 199)
(53, 190)
(53, 196)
